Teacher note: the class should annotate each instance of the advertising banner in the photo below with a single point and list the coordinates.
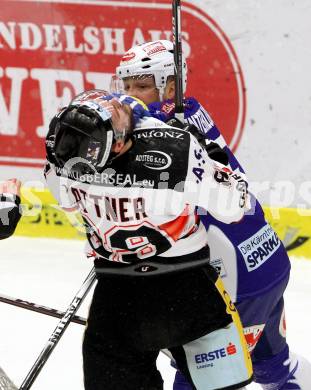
(53, 50)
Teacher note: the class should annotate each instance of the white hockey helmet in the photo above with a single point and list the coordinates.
(154, 58)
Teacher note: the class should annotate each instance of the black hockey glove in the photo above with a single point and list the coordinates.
(214, 151)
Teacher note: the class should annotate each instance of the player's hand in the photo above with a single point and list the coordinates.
(120, 114)
(11, 186)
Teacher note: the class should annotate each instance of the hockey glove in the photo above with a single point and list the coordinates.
(214, 151)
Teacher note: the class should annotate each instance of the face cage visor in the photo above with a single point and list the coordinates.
(139, 81)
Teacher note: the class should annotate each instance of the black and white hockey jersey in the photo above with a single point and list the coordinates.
(9, 214)
(144, 203)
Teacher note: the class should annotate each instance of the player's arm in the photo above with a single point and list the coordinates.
(197, 116)
(213, 187)
(9, 207)
(214, 150)
(209, 130)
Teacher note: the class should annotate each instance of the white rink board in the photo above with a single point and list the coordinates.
(50, 272)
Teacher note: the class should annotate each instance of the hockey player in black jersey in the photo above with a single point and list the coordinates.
(137, 193)
(9, 207)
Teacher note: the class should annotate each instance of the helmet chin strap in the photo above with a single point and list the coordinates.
(161, 93)
(120, 134)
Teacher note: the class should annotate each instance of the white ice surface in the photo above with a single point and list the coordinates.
(50, 272)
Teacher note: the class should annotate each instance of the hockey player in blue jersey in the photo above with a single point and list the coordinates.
(250, 257)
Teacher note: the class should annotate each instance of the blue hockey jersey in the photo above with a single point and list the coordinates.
(249, 255)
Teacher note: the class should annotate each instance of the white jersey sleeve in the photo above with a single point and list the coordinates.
(211, 186)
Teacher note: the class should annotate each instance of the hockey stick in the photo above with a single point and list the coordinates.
(177, 40)
(5, 381)
(49, 311)
(58, 331)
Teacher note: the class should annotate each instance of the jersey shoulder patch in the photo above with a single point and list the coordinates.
(162, 153)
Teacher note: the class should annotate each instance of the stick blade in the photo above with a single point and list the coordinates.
(5, 382)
